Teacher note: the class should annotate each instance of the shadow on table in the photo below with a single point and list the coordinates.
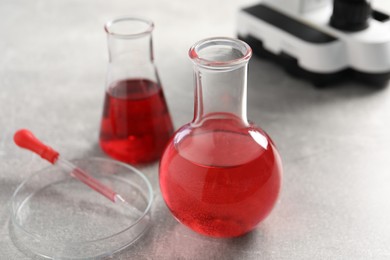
(168, 239)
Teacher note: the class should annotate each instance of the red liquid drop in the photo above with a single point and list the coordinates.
(220, 182)
(136, 124)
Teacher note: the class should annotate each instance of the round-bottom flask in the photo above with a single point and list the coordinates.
(220, 175)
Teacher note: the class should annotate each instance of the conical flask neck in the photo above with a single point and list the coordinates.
(130, 49)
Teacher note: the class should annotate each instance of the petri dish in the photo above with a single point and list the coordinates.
(56, 216)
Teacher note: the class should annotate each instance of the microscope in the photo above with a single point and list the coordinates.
(322, 41)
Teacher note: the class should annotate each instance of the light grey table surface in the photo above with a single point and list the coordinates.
(335, 143)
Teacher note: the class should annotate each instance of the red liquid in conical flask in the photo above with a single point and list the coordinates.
(136, 124)
(220, 182)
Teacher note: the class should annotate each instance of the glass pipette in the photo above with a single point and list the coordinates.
(26, 139)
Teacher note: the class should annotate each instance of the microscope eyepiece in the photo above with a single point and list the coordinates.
(350, 15)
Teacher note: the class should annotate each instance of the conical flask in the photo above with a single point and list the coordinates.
(136, 123)
(220, 175)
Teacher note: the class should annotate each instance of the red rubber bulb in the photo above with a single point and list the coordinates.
(27, 140)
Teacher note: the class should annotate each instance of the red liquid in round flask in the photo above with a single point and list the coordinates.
(136, 124)
(220, 175)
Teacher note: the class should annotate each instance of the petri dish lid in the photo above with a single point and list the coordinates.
(56, 216)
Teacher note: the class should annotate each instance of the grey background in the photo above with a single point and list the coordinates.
(335, 143)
